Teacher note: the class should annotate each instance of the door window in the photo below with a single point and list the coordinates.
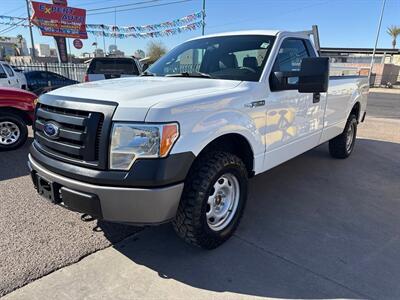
(9, 70)
(2, 72)
(290, 54)
(289, 58)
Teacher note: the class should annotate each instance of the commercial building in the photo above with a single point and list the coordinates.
(386, 69)
(10, 46)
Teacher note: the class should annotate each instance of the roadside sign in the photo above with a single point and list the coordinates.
(78, 44)
(59, 20)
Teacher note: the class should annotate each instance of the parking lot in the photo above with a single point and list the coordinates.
(314, 227)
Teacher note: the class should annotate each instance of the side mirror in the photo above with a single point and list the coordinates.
(3, 75)
(314, 75)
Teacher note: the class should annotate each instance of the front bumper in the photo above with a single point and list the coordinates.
(116, 204)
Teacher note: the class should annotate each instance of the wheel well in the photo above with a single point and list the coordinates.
(20, 113)
(236, 144)
(356, 110)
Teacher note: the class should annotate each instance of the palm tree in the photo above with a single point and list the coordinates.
(16, 50)
(393, 31)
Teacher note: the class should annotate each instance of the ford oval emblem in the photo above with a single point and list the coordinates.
(51, 129)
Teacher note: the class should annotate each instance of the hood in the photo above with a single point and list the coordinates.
(9, 93)
(136, 95)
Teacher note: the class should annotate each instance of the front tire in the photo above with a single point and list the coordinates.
(13, 132)
(343, 145)
(213, 200)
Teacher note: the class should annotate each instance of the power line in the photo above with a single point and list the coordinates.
(122, 5)
(136, 8)
(13, 10)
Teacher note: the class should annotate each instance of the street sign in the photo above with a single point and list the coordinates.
(78, 44)
(59, 20)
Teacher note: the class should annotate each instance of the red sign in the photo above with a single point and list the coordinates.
(78, 44)
(58, 20)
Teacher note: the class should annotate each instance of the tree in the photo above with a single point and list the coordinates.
(155, 49)
(139, 53)
(17, 51)
(393, 31)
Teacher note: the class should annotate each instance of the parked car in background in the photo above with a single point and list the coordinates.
(16, 113)
(101, 68)
(40, 82)
(10, 78)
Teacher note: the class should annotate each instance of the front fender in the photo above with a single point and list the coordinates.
(216, 125)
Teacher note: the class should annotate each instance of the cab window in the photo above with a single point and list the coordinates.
(2, 72)
(9, 71)
(290, 54)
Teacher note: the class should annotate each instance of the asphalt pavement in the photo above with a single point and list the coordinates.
(37, 237)
(314, 227)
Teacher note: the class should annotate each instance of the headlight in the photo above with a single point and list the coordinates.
(132, 141)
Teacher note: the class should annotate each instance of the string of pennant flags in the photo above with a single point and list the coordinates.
(168, 28)
(151, 34)
(154, 27)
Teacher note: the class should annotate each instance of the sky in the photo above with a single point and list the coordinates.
(342, 23)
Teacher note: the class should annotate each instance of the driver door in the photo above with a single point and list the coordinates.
(294, 120)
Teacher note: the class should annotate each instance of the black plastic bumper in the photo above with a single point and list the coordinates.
(69, 198)
(144, 173)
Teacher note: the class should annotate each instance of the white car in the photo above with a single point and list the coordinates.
(180, 142)
(11, 78)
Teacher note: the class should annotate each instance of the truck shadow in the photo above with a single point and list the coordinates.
(314, 227)
(13, 163)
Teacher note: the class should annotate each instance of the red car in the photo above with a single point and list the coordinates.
(16, 114)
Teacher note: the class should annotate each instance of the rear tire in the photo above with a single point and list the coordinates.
(213, 200)
(13, 132)
(343, 145)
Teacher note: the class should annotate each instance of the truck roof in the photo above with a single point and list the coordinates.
(241, 32)
(256, 32)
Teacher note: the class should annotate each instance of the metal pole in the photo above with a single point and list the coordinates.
(115, 24)
(376, 40)
(30, 30)
(104, 45)
(203, 25)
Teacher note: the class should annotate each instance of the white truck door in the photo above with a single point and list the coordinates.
(12, 77)
(4, 81)
(294, 120)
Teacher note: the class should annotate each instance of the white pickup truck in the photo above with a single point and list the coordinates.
(179, 142)
(10, 77)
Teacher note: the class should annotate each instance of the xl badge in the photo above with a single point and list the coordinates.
(51, 129)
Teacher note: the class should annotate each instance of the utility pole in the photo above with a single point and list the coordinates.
(203, 18)
(30, 30)
(115, 24)
(376, 41)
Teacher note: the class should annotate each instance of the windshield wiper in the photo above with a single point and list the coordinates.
(190, 74)
(147, 73)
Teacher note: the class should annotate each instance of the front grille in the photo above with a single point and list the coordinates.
(81, 132)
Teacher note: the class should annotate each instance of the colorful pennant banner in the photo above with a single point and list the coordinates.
(122, 32)
(154, 27)
(152, 34)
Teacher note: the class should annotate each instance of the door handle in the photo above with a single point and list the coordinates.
(9, 82)
(316, 97)
(255, 104)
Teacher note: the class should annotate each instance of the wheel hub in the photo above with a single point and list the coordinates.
(223, 202)
(9, 133)
(350, 137)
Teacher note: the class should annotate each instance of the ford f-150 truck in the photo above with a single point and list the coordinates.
(179, 142)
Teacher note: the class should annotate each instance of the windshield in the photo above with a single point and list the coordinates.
(114, 66)
(240, 57)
